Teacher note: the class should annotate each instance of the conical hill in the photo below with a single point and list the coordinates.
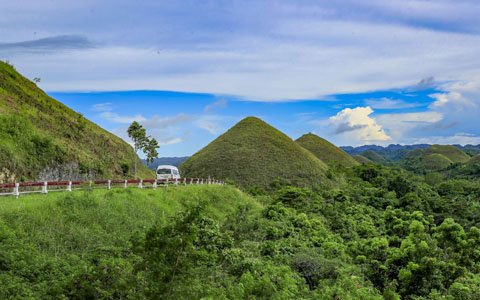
(254, 153)
(451, 152)
(325, 151)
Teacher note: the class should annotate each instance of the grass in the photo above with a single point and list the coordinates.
(451, 152)
(254, 153)
(435, 162)
(325, 151)
(84, 223)
(37, 131)
(474, 160)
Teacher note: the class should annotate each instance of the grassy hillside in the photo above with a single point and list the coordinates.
(451, 152)
(38, 132)
(362, 159)
(435, 158)
(435, 162)
(254, 153)
(474, 160)
(374, 156)
(325, 151)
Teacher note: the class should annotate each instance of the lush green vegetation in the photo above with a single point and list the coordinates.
(325, 151)
(37, 131)
(254, 153)
(385, 234)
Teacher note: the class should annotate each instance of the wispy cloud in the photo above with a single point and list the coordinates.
(222, 103)
(116, 118)
(54, 43)
(387, 103)
(102, 107)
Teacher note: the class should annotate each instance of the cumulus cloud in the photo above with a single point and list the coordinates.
(357, 126)
(453, 112)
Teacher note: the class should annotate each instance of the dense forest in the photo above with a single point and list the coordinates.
(384, 233)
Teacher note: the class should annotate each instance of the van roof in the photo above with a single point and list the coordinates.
(167, 167)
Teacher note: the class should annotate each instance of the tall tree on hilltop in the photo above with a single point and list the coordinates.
(138, 135)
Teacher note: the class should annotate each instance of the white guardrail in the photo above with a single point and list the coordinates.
(19, 188)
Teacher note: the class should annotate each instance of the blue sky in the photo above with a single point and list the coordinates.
(354, 72)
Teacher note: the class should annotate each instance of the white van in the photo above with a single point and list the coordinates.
(170, 172)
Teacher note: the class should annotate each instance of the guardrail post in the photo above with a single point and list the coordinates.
(125, 184)
(198, 181)
(44, 187)
(185, 181)
(166, 185)
(16, 191)
(191, 181)
(69, 187)
(155, 184)
(109, 184)
(140, 184)
(176, 182)
(90, 185)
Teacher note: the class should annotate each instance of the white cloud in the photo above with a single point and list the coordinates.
(357, 127)
(461, 138)
(284, 51)
(157, 122)
(222, 103)
(116, 118)
(102, 107)
(387, 103)
(211, 123)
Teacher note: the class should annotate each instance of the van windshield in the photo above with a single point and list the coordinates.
(175, 172)
(164, 171)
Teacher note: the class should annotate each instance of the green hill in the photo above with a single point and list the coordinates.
(435, 162)
(374, 156)
(451, 152)
(362, 159)
(325, 151)
(474, 160)
(42, 138)
(254, 153)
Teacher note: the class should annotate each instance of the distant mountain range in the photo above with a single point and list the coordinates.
(395, 152)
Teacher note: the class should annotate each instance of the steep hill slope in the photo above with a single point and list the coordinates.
(254, 153)
(40, 138)
(324, 150)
